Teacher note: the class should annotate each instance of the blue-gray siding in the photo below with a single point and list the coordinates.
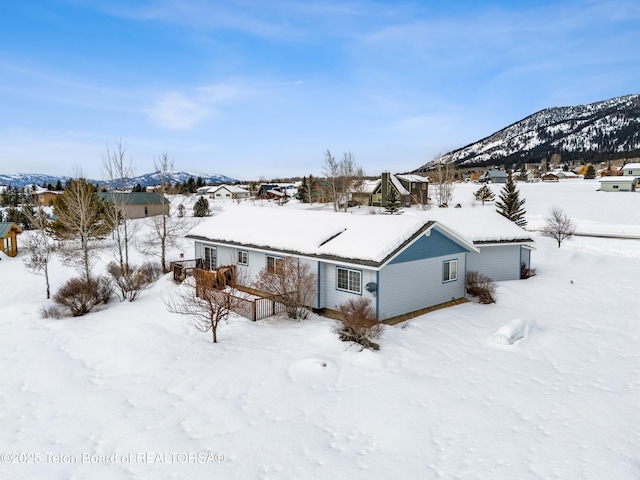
(500, 262)
(410, 286)
(434, 245)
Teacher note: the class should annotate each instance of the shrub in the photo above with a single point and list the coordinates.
(359, 324)
(133, 280)
(526, 272)
(480, 286)
(79, 295)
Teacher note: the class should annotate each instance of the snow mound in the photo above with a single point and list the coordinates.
(513, 331)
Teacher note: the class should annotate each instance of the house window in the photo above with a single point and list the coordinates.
(275, 265)
(449, 270)
(349, 280)
(243, 257)
(209, 258)
(616, 186)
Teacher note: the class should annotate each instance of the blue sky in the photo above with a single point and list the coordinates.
(256, 89)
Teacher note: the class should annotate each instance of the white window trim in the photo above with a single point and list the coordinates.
(446, 270)
(275, 267)
(246, 257)
(349, 271)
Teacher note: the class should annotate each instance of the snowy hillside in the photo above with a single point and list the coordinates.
(145, 180)
(133, 391)
(607, 127)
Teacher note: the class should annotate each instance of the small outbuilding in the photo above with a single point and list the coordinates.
(9, 232)
(622, 183)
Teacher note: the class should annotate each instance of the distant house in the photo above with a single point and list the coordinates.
(9, 232)
(228, 192)
(550, 177)
(44, 198)
(408, 188)
(137, 204)
(402, 263)
(568, 175)
(276, 191)
(622, 183)
(633, 170)
(493, 176)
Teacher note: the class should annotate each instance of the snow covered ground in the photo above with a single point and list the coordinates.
(133, 391)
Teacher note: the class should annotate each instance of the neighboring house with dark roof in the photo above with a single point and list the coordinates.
(138, 204)
(493, 176)
(409, 189)
(9, 232)
(401, 263)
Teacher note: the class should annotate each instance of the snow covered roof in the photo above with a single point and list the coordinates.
(364, 239)
(409, 177)
(617, 179)
(230, 188)
(399, 187)
(631, 166)
(478, 224)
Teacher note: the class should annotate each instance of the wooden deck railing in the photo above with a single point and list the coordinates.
(254, 305)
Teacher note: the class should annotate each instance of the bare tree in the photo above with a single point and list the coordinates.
(204, 303)
(339, 178)
(558, 225)
(292, 281)
(81, 216)
(40, 245)
(117, 171)
(444, 176)
(331, 171)
(348, 171)
(166, 230)
(358, 184)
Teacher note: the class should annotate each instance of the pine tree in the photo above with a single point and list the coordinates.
(201, 208)
(303, 191)
(590, 174)
(393, 204)
(510, 205)
(484, 194)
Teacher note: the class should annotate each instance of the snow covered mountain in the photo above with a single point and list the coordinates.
(597, 131)
(24, 179)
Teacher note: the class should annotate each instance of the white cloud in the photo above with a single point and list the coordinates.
(175, 111)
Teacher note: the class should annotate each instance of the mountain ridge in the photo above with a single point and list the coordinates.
(145, 180)
(602, 130)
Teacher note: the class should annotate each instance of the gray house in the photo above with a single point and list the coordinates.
(137, 204)
(493, 176)
(402, 263)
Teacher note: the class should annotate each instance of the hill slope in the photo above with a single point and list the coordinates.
(597, 131)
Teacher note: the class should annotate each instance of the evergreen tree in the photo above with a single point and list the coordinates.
(201, 208)
(484, 194)
(509, 205)
(522, 174)
(590, 174)
(303, 191)
(191, 185)
(199, 182)
(137, 188)
(58, 187)
(393, 203)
